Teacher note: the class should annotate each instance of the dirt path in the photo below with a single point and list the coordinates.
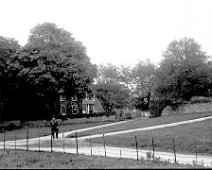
(113, 151)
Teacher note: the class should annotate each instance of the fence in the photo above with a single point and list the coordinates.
(111, 146)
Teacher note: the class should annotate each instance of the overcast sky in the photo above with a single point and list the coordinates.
(115, 31)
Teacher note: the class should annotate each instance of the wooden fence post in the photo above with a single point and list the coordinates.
(63, 143)
(104, 143)
(27, 140)
(91, 144)
(153, 147)
(120, 146)
(51, 143)
(76, 143)
(136, 145)
(4, 139)
(38, 139)
(15, 141)
(195, 149)
(175, 159)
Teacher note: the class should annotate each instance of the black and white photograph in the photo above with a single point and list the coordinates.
(105, 84)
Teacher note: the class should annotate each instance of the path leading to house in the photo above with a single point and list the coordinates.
(140, 129)
(116, 151)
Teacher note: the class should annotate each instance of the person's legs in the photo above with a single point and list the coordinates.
(57, 134)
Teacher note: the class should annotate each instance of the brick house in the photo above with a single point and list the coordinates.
(88, 105)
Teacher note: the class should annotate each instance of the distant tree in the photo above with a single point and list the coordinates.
(141, 103)
(138, 79)
(143, 75)
(112, 95)
(183, 72)
(108, 72)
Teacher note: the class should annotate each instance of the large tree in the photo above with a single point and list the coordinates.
(52, 60)
(183, 72)
(8, 47)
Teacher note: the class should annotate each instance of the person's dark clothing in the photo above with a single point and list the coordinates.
(54, 128)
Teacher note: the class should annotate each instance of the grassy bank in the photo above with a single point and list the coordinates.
(185, 138)
(42, 160)
(146, 122)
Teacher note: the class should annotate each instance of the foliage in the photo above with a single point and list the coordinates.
(112, 95)
(51, 60)
(141, 103)
(143, 79)
(200, 99)
(183, 72)
(143, 76)
(157, 105)
(107, 72)
(73, 116)
(138, 80)
(8, 47)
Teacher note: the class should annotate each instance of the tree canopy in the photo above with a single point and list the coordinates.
(8, 47)
(51, 60)
(112, 95)
(183, 72)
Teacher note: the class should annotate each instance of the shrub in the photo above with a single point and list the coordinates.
(200, 99)
(73, 116)
(149, 156)
(10, 125)
(157, 105)
(128, 116)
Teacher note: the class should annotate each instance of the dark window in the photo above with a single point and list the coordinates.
(63, 110)
(74, 98)
(74, 109)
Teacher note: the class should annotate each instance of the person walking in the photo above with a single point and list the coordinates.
(54, 128)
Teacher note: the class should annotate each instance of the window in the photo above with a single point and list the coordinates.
(62, 98)
(74, 109)
(89, 96)
(63, 110)
(74, 98)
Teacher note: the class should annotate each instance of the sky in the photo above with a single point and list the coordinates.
(121, 32)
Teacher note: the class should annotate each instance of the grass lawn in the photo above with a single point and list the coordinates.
(184, 136)
(145, 123)
(43, 131)
(44, 160)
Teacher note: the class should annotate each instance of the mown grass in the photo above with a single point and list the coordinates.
(146, 122)
(185, 138)
(44, 160)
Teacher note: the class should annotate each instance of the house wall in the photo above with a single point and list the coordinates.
(82, 105)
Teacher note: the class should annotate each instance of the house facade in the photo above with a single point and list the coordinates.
(88, 105)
